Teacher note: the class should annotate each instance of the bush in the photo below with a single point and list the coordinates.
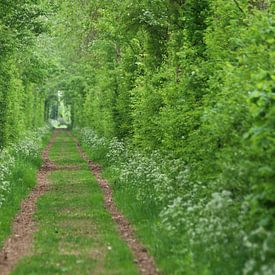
(27, 150)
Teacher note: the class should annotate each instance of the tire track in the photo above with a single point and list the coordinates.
(144, 261)
(19, 244)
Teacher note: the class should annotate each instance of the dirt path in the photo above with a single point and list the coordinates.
(19, 243)
(144, 261)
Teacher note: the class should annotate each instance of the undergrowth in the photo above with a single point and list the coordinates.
(18, 166)
(191, 227)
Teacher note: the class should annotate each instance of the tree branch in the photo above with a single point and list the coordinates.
(239, 7)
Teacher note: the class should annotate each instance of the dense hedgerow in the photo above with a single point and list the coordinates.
(23, 68)
(190, 86)
(26, 150)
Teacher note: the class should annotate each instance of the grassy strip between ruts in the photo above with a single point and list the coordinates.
(143, 219)
(76, 235)
(23, 178)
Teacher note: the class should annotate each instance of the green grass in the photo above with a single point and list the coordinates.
(166, 249)
(145, 219)
(76, 234)
(64, 151)
(23, 179)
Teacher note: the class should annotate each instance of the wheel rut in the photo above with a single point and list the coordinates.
(144, 261)
(19, 244)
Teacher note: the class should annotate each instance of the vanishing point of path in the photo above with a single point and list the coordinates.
(69, 223)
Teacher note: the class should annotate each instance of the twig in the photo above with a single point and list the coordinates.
(237, 4)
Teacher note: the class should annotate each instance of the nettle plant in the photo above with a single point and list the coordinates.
(89, 137)
(7, 163)
(146, 176)
(28, 149)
